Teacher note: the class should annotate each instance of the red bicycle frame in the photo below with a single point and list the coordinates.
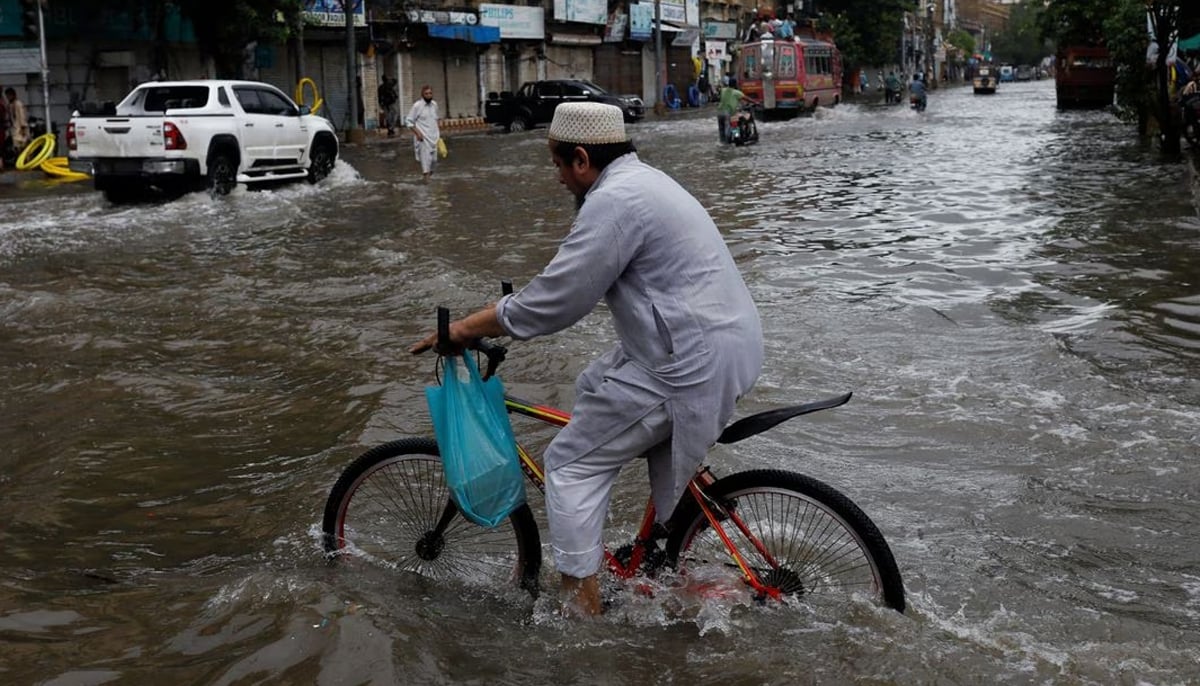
(713, 511)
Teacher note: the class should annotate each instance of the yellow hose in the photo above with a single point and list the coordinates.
(58, 167)
(317, 101)
(44, 144)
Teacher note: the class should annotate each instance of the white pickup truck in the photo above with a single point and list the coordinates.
(180, 136)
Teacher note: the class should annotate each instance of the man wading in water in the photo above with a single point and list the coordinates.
(690, 340)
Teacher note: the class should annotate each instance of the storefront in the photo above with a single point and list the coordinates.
(571, 38)
(618, 61)
(512, 62)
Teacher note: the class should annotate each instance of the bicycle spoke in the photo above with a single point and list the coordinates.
(814, 550)
(389, 515)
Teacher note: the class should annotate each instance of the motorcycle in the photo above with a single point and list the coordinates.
(742, 128)
(891, 97)
(1191, 118)
(917, 102)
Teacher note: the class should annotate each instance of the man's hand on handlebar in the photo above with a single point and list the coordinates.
(480, 324)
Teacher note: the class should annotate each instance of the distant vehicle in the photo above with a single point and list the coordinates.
(1084, 77)
(787, 76)
(985, 80)
(536, 101)
(1025, 72)
(1007, 73)
(180, 136)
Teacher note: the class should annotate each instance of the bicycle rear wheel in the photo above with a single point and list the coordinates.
(820, 541)
(392, 507)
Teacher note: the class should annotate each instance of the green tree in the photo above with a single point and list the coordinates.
(1021, 41)
(867, 32)
(1127, 40)
(962, 40)
(1076, 22)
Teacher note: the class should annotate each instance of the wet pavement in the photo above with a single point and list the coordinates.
(1012, 292)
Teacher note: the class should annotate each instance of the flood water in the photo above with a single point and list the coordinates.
(1012, 293)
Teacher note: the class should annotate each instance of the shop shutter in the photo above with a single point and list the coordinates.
(619, 69)
(679, 69)
(569, 62)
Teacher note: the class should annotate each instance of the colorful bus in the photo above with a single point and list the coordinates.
(787, 76)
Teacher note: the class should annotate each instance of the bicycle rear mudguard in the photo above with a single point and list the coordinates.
(758, 423)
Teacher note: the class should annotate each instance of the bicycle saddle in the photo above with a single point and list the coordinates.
(758, 423)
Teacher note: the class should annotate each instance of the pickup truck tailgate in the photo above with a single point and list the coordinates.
(118, 136)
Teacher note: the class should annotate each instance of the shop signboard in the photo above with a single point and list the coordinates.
(581, 11)
(331, 13)
(641, 19)
(514, 21)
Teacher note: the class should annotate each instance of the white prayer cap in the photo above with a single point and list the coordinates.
(588, 123)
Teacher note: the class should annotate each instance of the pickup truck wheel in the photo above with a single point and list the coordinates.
(222, 174)
(320, 162)
(518, 124)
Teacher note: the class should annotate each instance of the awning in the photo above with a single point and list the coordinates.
(471, 34)
(1190, 44)
(667, 28)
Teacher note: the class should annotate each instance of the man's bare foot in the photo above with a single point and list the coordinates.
(581, 597)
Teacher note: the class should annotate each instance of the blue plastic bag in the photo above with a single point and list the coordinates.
(475, 438)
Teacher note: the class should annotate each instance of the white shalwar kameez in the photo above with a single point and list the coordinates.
(423, 116)
(690, 343)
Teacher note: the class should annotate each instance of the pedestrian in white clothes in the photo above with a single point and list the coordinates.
(423, 120)
(689, 337)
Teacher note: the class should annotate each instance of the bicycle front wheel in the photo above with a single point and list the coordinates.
(392, 507)
(798, 534)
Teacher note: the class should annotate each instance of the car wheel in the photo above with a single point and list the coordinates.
(518, 124)
(222, 174)
(321, 162)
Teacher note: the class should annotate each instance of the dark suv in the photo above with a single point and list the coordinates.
(534, 104)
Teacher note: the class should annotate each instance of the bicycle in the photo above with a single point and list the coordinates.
(787, 535)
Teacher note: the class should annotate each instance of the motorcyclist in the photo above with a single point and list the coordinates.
(1189, 100)
(731, 99)
(1193, 86)
(891, 88)
(916, 91)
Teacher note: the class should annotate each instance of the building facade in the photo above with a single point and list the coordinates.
(464, 50)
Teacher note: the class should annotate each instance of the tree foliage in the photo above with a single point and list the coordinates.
(867, 32)
(1076, 22)
(962, 40)
(1021, 40)
(1125, 35)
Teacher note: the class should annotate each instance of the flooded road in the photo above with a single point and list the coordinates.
(1012, 293)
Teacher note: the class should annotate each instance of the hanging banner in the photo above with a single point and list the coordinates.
(714, 50)
(641, 18)
(615, 31)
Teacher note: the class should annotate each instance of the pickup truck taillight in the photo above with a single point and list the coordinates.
(71, 136)
(172, 138)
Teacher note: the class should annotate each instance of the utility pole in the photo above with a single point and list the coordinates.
(45, 65)
(353, 133)
(929, 61)
(660, 107)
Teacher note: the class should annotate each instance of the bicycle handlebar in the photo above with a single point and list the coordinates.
(494, 352)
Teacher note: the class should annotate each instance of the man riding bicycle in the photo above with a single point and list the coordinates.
(689, 336)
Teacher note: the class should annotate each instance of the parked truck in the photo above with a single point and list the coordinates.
(181, 136)
(535, 102)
